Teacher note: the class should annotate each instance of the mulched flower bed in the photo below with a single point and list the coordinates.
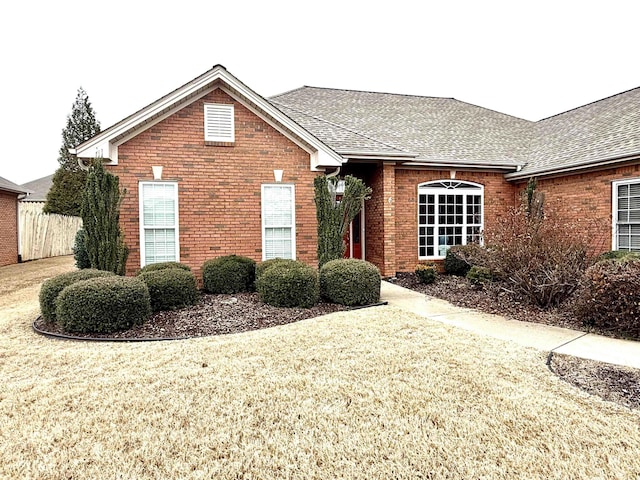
(213, 315)
(611, 382)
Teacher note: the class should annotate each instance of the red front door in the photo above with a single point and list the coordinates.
(353, 239)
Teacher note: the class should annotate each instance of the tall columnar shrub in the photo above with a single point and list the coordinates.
(80, 251)
(100, 216)
(335, 212)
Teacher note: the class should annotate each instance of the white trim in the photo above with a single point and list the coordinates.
(141, 218)
(431, 188)
(614, 208)
(293, 217)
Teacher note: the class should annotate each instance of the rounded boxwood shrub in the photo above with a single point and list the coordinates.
(350, 282)
(230, 274)
(289, 284)
(52, 287)
(426, 273)
(103, 305)
(152, 267)
(170, 288)
(263, 266)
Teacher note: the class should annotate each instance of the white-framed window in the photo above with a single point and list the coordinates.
(158, 222)
(626, 215)
(278, 221)
(450, 212)
(218, 122)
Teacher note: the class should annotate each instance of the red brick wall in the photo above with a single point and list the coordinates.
(8, 228)
(499, 196)
(374, 213)
(219, 186)
(586, 198)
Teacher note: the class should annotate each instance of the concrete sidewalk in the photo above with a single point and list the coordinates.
(542, 337)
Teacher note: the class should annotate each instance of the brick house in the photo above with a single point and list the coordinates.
(10, 193)
(213, 169)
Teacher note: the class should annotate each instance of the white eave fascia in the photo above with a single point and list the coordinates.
(395, 156)
(443, 164)
(571, 169)
(104, 144)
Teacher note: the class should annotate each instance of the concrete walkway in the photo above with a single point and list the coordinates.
(542, 337)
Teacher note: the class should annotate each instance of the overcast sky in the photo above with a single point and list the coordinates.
(530, 60)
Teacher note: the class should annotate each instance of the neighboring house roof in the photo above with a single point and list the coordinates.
(425, 130)
(39, 189)
(105, 144)
(8, 186)
(599, 133)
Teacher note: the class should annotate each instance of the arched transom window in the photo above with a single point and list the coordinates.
(450, 212)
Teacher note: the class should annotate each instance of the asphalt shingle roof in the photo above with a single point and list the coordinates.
(432, 129)
(445, 130)
(9, 186)
(39, 188)
(603, 130)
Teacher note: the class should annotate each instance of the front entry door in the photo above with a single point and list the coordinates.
(354, 238)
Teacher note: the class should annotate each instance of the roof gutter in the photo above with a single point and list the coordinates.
(515, 176)
(493, 166)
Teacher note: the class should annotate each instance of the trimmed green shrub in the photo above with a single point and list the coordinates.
(263, 266)
(350, 282)
(289, 284)
(170, 288)
(617, 255)
(455, 263)
(230, 274)
(152, 267)
(52, 287)
(80, 251)
(479, 276)
(103, 305)
(609, 297)
(426, 272)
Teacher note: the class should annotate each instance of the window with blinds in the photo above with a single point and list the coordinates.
(278, 221)
(450, 213)
(218, 123)
(626, 214)
(158, 222)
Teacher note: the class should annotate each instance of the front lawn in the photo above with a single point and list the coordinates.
(372, 393)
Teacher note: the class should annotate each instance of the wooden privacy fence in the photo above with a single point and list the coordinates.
(45, 235)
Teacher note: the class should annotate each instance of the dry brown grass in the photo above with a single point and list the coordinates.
(374, 393)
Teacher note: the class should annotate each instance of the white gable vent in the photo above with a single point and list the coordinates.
(218, 123)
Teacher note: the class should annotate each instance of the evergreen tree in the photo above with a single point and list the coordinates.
(334, 215)
(103, 238)
(65, 194)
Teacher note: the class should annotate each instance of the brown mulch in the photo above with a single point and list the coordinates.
(614, 383)
(213, 315)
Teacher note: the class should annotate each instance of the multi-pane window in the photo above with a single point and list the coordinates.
(449, 213)
(278, 221)
(158, 222)
(626, 215)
